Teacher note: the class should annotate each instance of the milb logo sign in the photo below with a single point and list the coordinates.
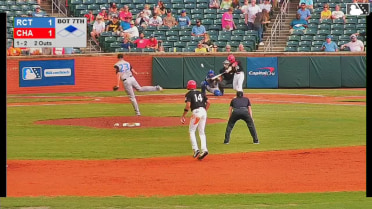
(357, 9)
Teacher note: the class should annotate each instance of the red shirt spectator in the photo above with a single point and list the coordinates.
(152, 43)
(141, 42)
(90, 17)
(104, 13)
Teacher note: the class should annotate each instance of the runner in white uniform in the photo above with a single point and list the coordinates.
(124, 73)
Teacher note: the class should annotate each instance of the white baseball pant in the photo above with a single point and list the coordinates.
(238, 81)
(198, 120)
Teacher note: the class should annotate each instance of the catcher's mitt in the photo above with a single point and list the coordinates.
(115, 88)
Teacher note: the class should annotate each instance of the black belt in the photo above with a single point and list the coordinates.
(238, 72)
(126, 78)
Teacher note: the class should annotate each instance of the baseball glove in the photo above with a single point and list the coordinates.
(115, 88)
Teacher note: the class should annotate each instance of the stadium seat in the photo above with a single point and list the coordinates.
(171, 33)
(290, 49)
(316, 48)
(185, 38)
(241, 26)
(99, 2)
(292, 43)
(350, 32)
(167, 44)
(344, 38)
(298, 32)
(163, 28)
(121, 49)
(177, 1)
(210, 11)
(234, 44)
(348, 26)
(178, 6)
(338, 21)
(197, 16)
(351, 20)
(337, 32)
(202, 5)
(184, 33)
(326, 21)
(250, 38)
(307, 38)
(214, 27)
(317, 43)
(172, 38)
(192, 43)
(190, 6)
(88, 2)
(324, 26)
(238, 32)
(305, 43)
(311, 31)
(303, 49)
(294, 38)
(197, 11)
(236, 38)
(319, 38)
(189, 49)
(323, 32)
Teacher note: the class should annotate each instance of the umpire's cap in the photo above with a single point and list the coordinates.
(239, 94)
(120, 56)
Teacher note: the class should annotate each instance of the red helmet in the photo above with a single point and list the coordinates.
(231, 58)
(191, 84)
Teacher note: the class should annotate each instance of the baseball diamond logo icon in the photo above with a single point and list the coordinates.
(357, 9)
(71, 31)
(31, 73)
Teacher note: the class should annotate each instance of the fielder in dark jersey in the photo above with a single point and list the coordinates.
(199, 104)
(240, 109)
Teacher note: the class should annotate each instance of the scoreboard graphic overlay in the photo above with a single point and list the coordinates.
(38, 32)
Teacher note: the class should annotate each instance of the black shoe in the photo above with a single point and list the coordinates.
(196, 153)
(203, 155)
(226, 142)
(256, 142)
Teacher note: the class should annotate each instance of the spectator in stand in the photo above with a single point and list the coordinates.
(155, 20)
(244, 7)
(161, 49)
(114, 25)
(228, 20)
(125, 17)
(126, 43)
(183, 20)
(58, 51)
(104, 13)
(326, 13)
(160, 9)
(329, 45)
(36, 51)
(69, 50)
(214, 4)
(214, 48)
(200, 48)
(309, 4)
(250, 16)
(338, 14)
(152, 43)
(113, 11)
(267, 5)
(131, 32)
(141, 41)
(304, 12)
(198, 29)
(142, 19)
(354, 45)
(169, 20)
(147, 10)
(297, 24)
(38, 12)
(14, 51)
(227, 48)
(47, 51)
(98, 28)
(235, 4)
(259, 21)
(207, 42)
(241, 48)
(225, 4)
(90, 17)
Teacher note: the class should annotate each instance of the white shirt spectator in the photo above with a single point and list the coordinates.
(338, 14)
(356, 46)
(156, 21)
(99, 26)
(266, 5)
(252, 11)
(132, 31)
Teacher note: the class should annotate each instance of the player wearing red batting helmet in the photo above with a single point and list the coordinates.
(237, 68)
(199, 104)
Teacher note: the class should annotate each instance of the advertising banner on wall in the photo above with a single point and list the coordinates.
(262, 72)
(46, 73)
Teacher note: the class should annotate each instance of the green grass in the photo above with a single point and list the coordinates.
(279, 127)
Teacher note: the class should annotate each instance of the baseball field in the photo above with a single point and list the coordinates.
(65, 151)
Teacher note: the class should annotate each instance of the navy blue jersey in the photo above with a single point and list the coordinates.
(240, 102)
(196, 98)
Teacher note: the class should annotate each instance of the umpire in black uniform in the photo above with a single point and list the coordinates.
(240, 109)
(227, 78)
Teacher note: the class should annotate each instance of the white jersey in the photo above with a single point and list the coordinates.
(124, 69)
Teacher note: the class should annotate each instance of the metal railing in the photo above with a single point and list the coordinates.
(277, 27)
(60, 7)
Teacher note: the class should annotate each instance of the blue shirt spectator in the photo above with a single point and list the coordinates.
(183, 20)
(329, 45)
(198, 29)
(304, 12)
(38, 12)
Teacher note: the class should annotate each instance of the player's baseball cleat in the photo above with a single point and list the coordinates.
(226, 142)
(196, 153)
(203, 155)
(256, 142)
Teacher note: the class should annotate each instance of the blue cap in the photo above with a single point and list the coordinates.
(329, 36)
(183, 11)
